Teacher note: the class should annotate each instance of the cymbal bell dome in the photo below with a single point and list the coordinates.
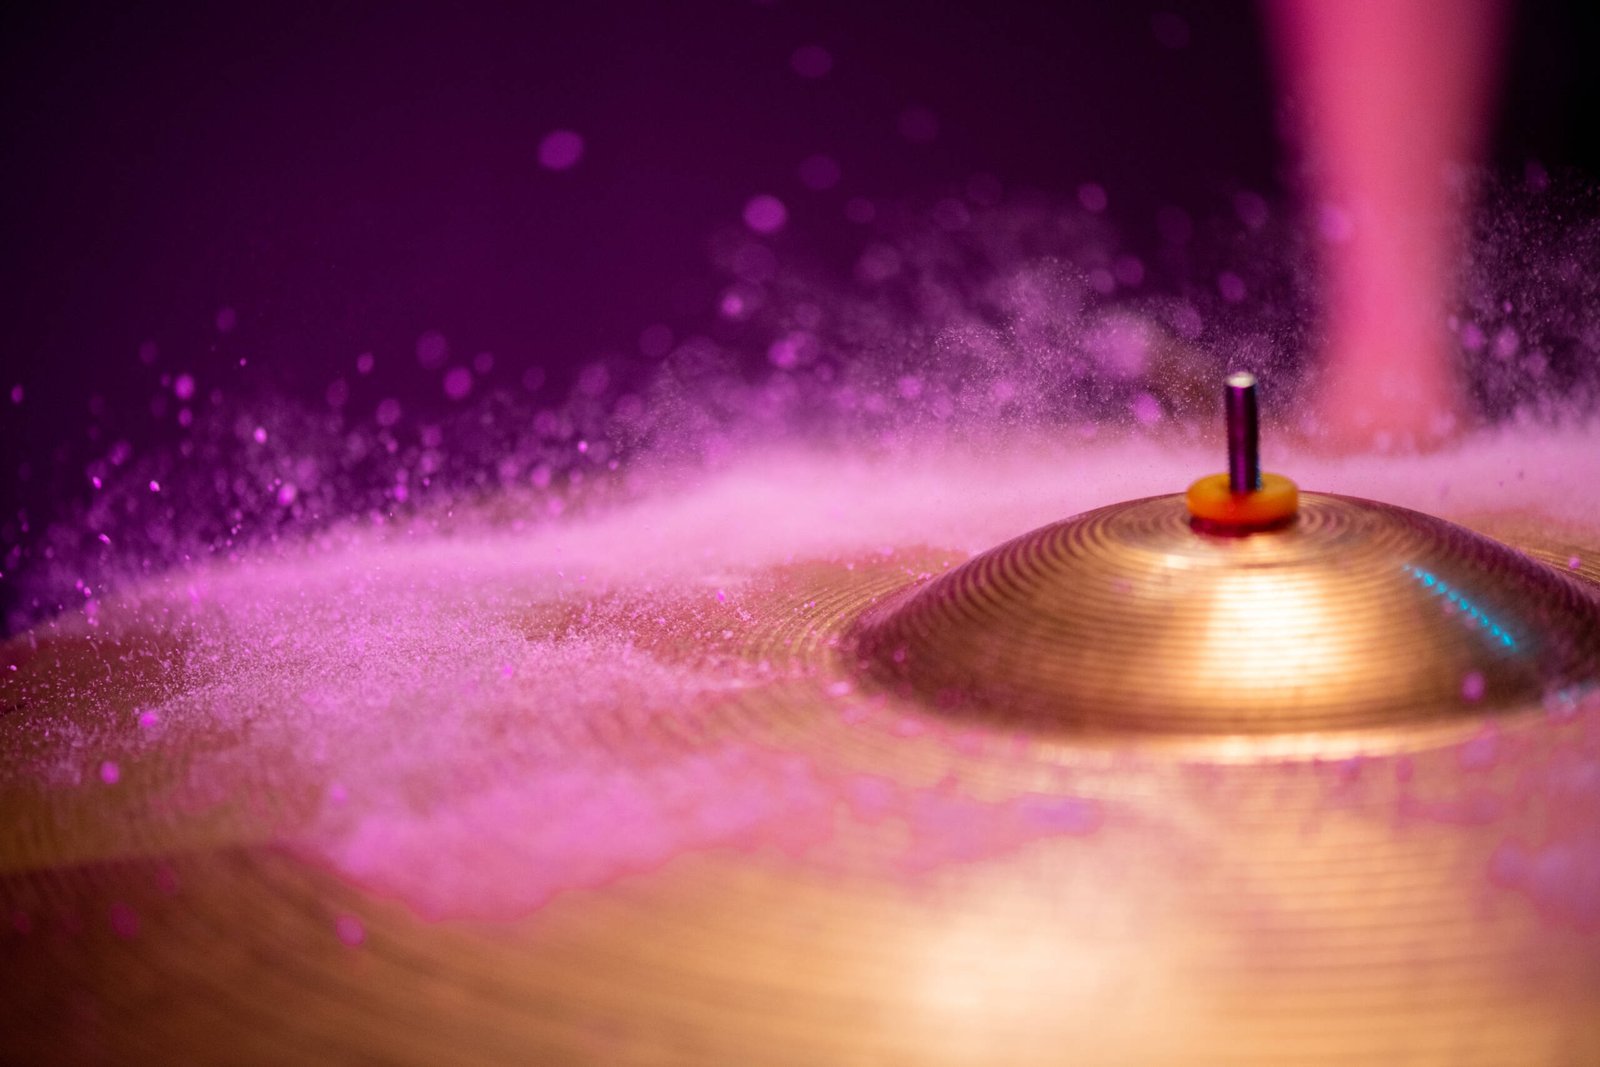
(1126, 619)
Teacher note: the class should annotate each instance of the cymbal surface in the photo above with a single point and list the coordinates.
(1127, 619)
(411, 805)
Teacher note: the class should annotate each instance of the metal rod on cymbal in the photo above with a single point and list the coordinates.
(1244, 434)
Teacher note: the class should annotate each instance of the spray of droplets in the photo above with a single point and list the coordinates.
(392, 636)
(959, 320)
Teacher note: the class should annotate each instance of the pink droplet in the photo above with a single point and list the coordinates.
(457, 383)
(226, 320)
(350, 930)
(110, 773)
(260, 435)
(155, 486)
(560, 150)
(765, 214)
(1472, 686)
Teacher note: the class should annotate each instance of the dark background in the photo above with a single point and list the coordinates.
(348, 175)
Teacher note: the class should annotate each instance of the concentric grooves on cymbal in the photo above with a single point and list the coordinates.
(1126, 619)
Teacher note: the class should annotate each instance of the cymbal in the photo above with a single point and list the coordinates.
(1129, 619)
(423, 805)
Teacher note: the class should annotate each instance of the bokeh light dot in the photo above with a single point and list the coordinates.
(349, 930)
(560, 150)
(765, 214)
(457, 383)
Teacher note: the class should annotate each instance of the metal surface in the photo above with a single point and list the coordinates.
(1244, 433)
(1403, 892)
(1127, 620)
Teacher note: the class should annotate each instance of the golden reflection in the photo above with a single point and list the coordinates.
(1126, 619)
(1268, 626)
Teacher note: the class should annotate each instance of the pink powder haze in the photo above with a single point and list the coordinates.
(481, 717)
(480, 655)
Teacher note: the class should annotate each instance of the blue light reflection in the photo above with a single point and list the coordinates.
(1441, 588)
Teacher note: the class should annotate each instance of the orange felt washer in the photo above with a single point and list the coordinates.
(1211, 501)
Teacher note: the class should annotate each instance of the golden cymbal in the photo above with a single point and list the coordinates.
(1128, 618)
(689, 826)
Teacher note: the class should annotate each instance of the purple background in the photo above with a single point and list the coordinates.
(349, 175)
